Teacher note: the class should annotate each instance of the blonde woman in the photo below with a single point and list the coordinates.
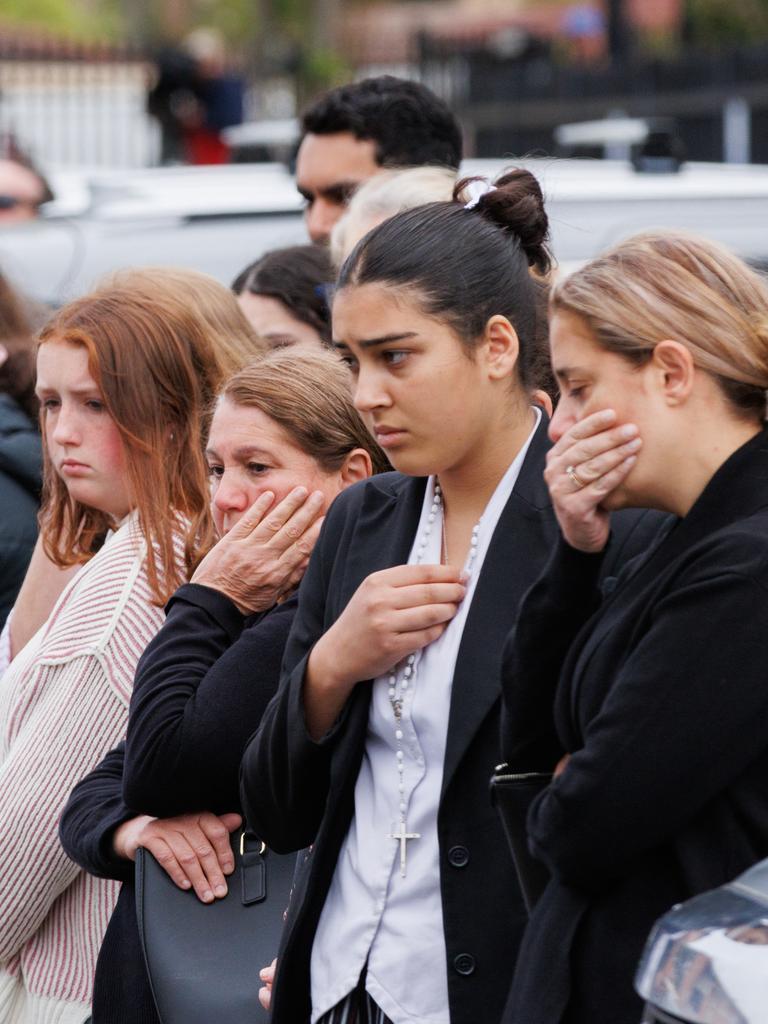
(385, 194)
(651, 701)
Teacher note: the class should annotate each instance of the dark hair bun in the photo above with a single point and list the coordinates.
(516, 204)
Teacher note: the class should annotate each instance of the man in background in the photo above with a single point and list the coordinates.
(355, 130)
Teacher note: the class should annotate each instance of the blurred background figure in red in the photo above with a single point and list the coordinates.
(196, 95)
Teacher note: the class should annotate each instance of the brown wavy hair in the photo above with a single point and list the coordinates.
(236, 342)
(158, 366)
(17, 372)
(309, 394)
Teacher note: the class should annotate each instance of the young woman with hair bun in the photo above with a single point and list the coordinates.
(652, 700)
(377, 750)
(124, 387)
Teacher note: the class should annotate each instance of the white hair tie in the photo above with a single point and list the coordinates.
(476, 190)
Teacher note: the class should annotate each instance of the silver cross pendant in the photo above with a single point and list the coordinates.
(402, 837)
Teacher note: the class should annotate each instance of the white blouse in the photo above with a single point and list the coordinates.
(371, 912)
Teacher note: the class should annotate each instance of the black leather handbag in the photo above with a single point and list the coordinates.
(203, 959)
(512, 794)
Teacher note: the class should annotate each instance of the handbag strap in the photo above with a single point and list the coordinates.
(252, 868)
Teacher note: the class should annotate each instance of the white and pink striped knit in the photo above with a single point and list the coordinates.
(63, 705)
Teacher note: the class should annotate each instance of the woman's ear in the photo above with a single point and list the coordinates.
(540, 397)
(675, 369)
(357, 466)
(502, 347)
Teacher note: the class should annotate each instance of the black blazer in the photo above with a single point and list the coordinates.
(662, 701)
(297, 793)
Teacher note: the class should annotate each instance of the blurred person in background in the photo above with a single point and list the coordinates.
(204, 681)
(23, 190)
(353, 131)
(20, 451)
(218, 93)
(284, 296)
(170, 93)
(125, 387)
(193, 97)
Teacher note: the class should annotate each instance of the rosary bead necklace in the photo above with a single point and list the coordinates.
(400, 684)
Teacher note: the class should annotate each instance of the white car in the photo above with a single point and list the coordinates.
(218, 219)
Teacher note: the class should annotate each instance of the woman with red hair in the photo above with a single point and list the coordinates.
(124, 387)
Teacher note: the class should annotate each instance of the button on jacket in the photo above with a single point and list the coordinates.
(297, 793)
(662, 702)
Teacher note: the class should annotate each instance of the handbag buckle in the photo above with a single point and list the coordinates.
(262, 848)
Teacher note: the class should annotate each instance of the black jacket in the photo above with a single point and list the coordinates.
(201, 687)
(20, 482)
(662, 700)
(296, 792)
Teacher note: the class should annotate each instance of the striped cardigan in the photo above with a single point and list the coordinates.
(63, 705)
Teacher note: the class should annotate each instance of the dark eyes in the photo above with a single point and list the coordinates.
(343, 195)
(50, 404)
(338, 195)
(393, 357)
(217, 471)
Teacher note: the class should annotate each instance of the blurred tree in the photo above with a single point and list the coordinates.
(301, 36)
(80, 19)
(297, 37)
(713, 22)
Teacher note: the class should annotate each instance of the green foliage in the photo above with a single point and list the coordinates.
(235, 19)
(322, 69)
(293, 15)
(78, 20)
(725, 21)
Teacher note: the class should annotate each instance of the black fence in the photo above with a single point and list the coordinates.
(719, 100)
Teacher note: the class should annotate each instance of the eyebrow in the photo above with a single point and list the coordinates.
(372, 342)
(47, 389)
(244, 452)
(337, 190)
(280, 336)
(566, 372)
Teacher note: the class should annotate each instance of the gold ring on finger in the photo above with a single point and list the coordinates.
(573, 476)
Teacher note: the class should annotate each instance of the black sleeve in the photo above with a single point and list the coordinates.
(550, 616)
(94, 810)
(684, 719)
(553, 612)
(285, 774)
(201, 688)
(634, 532)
